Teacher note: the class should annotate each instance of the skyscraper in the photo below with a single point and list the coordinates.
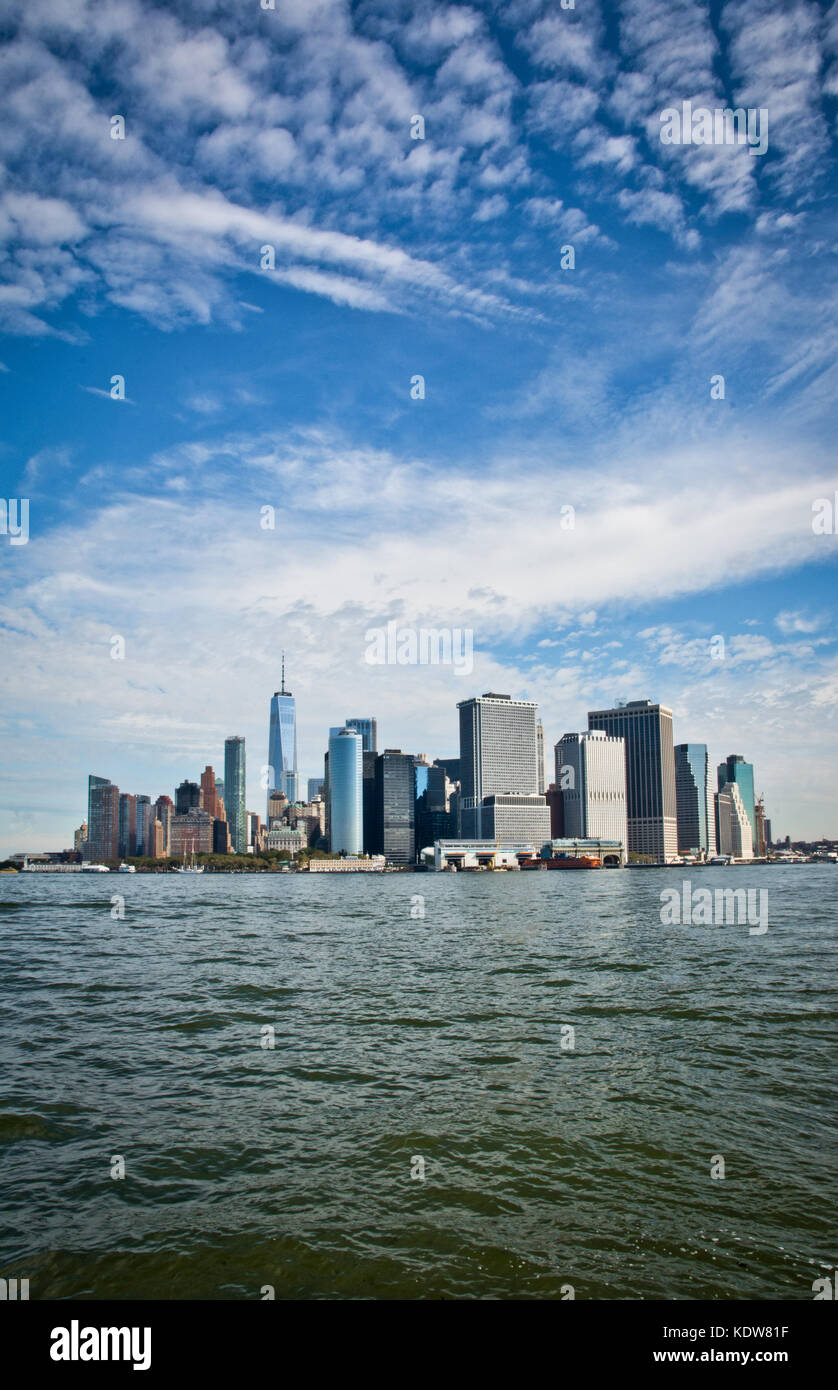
(93, 782)
(395, 790)
(145, 818)
(346, 814)
(103, 822)
(127, 838)
(650, 774)
(539, 736)
(209, 792)
(234, 792)
(735, 769)
(591, 776)
(498, 756)
(694, 800)
(282, 745)
(187, 798)
(368, 729)
(733, 829)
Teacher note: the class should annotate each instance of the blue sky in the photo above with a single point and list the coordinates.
(546, 387)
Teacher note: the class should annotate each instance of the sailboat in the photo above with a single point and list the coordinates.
(191, 867)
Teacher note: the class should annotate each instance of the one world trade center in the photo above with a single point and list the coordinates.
(282, 744)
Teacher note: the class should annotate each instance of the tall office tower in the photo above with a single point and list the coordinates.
(80, 838)
(735, 769)
(209, 792)
(219, 788)
(554, 797)
(93, 782)
(221, 837)
(282, 744)
(768, 840)
(694, 800)
(164, 809)
(539, 737)
(368, 729)
(498, 753)
(498, 756)
(103, 825)
(278, 804)
(591, 775)
(733, 829)
(127, 839)
(650, 774)
(395, 794)
(145, 819)
(187, 798)
(372, 821)
(346, 804)
(234, 792)
(760, 843)
(315, 787)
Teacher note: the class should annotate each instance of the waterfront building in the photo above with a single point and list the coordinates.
(145, 817)
(511, 816)
(368, 729)
(733, 828)
(395, 796)
(651, 812)
(291, 838)
(92, 782)
(282, 744)
(735, 769)
(187, 798)
(591, 776)
(234, 791)
(191, 831)
(127, 840)
(481, 853)
(103, 820)
(694, 800)
(498, 757)
(349, 864)
(346, 808)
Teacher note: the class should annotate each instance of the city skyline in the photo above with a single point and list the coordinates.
(482, 721)
(313, 369)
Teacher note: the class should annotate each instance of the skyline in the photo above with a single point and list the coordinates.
(569, 485)
(254, 770)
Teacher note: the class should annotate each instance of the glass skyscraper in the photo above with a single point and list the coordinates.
(735, 769)
(346, 806)
(368, 729)
(234, 792)
(694, 799)
(282, 744)
(395, 787)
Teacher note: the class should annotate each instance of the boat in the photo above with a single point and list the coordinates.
(127, 869)
(95, 869)
(191, 867)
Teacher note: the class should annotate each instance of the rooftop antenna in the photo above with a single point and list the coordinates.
(282, 691)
